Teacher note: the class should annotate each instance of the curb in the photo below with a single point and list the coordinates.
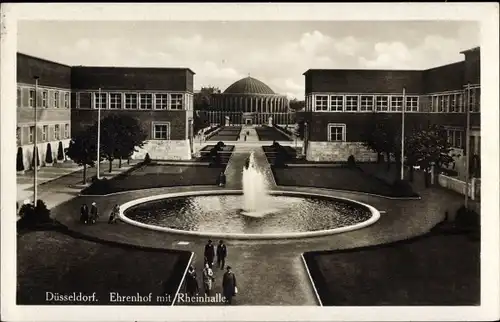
(311, 280)
(182, 279)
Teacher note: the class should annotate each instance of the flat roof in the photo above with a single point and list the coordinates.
(470, 50)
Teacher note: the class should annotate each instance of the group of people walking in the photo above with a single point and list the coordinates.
(91, 216)
(229, 288)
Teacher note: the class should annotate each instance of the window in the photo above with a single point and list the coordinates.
(434, 103)
(176, 101)
(161, 101)
(366, 103)
(31, 136)
(382, 103)
(57, 132)
(460, 103)
(453, 103)
(321, 103)
(18, 135)
(66, 131)
(32, 98)
(473, 100)
(130, 100)
(412, 103)
(66, 100)
(45, 131)
(441, 106)
(455, 138)
(19, 99)
(115, 100)
(146, 101)
(336, 132)
(100, 102)
(351, 103)
(56, 100)
(161, 131)
(397, 103)
(45, 97)
(336, 103)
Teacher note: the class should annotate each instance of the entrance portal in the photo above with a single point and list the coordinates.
(248, 121)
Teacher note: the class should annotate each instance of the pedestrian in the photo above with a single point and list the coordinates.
(113, 217)
(94, 214)
(84, 214)
(222, 179)
(209, 253)
(221, 254)
(245, 137)
(229, 288)
(208, 279)
(192, 287)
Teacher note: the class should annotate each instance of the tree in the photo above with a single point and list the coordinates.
(381, 135)
(296, 105)
(20, 159)
(60, 153)
(299, 129)
(200, 121)
(202, 100)
(428, 146)
(120, 136)
(35, 155)
(83, 150)
(48, 154)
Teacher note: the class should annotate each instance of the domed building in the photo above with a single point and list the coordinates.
(250, 101)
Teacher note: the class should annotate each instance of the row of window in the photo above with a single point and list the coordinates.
(44, 98)
(337, 133)
(362, 103)
(57, 135)
(143, 101)
(452, 102)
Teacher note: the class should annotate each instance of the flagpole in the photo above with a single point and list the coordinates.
(403, 108)
(467, 146)
(99, 135)
(35, 148)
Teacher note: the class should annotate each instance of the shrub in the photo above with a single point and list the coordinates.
(35, 155)
(33, 216)
(147, 159)
(351, 161)
(60, 154)
(48, 154)
(467, 219)
(403, 187)
(20, 159)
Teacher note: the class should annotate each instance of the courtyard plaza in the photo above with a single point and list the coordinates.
(271, 272)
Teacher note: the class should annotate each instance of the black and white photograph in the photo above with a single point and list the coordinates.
(250, 161)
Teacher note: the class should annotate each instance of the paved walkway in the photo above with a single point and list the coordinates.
(268, 272)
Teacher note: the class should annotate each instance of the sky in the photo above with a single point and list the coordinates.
(275, 52)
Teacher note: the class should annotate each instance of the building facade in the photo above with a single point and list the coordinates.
(68, 99)
(249, 101)
(160, 98)
(53, 107)
(340, 104)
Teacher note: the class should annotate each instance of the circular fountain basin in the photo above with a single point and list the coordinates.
(218, 214)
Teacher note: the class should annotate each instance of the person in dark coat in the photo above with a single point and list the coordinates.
(229, 288)
(84, 214)
(221, 254)
(94, 214)
(222, 179)
(209, 254)
(192, 287)
(113, 217)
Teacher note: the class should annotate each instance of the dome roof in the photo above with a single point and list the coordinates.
(248, 85)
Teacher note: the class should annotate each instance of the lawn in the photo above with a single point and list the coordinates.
(336, 177)
(50, 261)
(266, 133)
(156, 176)
(430, 270)
(227, 133)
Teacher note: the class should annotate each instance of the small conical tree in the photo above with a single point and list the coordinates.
(48, 154)
(20, 159)
(35, 154)
(60, 154)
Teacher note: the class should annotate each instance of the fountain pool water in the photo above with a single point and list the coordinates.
(256, 200)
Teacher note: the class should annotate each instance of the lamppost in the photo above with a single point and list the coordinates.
(403, 109)
(35, 148)
(99, 135)
(467, 145)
